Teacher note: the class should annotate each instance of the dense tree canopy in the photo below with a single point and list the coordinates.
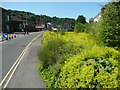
(81, 19)
(43, 19)
(110, 24)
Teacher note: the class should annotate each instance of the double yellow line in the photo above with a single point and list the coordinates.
(15, 65)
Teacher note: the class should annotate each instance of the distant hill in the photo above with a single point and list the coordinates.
(43, 19)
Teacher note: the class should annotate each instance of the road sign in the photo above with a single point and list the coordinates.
(5, 35)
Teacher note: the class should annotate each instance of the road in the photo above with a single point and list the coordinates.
(27, 75)
(11, 50)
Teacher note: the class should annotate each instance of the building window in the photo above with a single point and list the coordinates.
(7, 27)
(8, 17)
(20, 26)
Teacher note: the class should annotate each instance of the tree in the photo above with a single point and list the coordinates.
(110, 25)
(43, 19)
(88, 28)
(79, 27)
(81, 19)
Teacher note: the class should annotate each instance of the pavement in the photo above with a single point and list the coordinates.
(27, 75)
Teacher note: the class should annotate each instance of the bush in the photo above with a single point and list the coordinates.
(51, 49)
(79, 27)
(88, 28)
(74, 60)
(62, 32)
(109, 25)
(93, 68)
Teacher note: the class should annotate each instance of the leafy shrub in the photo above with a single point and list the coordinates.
(109, 25)
(62, 32)
(74, 60)
(88, 28)
(79, 27)
(91, 69)
(52, 47)
(81, 19)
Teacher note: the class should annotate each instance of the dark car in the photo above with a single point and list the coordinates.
(69, 29)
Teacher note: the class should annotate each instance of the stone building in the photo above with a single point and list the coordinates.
(0, 20)
(16, 24)
(5, 20)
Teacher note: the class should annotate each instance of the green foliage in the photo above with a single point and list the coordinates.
(81, 19)
(109, 25)
(74, 60)
(88, 28)
(52, 47)
(96, 33)
(91, 69)
(79, 27)
(62, 32)
(82, 59)
(1, 33)
(65, 22)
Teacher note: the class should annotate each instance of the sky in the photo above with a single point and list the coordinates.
(59, 9)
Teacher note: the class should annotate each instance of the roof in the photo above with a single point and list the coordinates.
(3, 8)
(91, 19)
(98, 14)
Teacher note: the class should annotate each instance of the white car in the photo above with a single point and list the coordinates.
(54, 29)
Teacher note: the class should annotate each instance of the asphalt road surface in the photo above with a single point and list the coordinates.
(11, 49)
(27, 75)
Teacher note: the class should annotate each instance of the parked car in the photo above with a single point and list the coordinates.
(54, 29)
(69, 29)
